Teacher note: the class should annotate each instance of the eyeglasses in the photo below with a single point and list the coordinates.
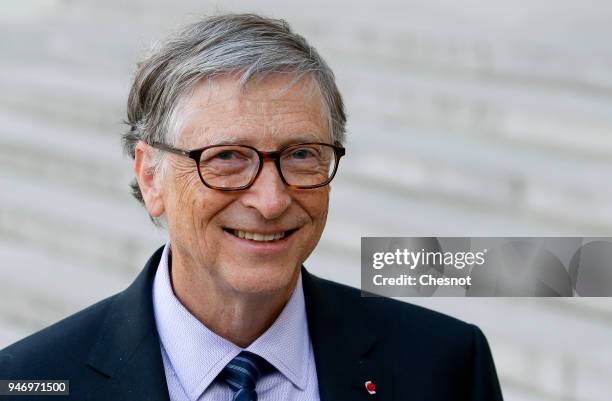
(236, 167)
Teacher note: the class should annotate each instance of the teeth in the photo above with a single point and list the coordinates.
(258, 236)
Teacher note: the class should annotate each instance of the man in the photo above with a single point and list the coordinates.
(236, 130)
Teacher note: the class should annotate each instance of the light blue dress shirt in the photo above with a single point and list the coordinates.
(193, 355)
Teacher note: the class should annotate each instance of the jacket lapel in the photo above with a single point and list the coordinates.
(126, 355)
(348, 352)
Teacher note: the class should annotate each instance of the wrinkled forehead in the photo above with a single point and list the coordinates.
(269, 110)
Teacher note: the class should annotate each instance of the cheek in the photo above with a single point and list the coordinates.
(316, 203)
(183, 203)
(197, 207)
(185, 196)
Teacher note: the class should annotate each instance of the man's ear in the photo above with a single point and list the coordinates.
(145, 175)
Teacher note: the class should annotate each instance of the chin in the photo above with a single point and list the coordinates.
(265, 279)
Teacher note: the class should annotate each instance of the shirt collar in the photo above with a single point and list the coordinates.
(198, 355)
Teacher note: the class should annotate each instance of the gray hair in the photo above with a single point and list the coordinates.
(248, 45)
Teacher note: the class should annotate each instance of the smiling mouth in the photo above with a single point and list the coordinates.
(260, 237)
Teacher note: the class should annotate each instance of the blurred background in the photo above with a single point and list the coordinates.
(471, 118)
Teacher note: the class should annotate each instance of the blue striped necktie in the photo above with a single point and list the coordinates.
(242, 373)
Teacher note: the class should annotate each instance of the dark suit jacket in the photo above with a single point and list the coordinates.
(110, 351)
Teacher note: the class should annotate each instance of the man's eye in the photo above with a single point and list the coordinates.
(302, 154)
(226, 155)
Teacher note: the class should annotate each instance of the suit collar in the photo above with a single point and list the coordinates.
(347, 350)
(127, 352)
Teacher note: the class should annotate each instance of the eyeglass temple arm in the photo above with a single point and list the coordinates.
(168, 148)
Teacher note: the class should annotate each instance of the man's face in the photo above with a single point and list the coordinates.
(203, 222)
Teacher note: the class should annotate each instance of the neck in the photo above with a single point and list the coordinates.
(239, 317)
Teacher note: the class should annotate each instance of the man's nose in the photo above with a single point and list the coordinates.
(268, 194)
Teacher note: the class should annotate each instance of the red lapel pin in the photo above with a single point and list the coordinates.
(370, 387)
